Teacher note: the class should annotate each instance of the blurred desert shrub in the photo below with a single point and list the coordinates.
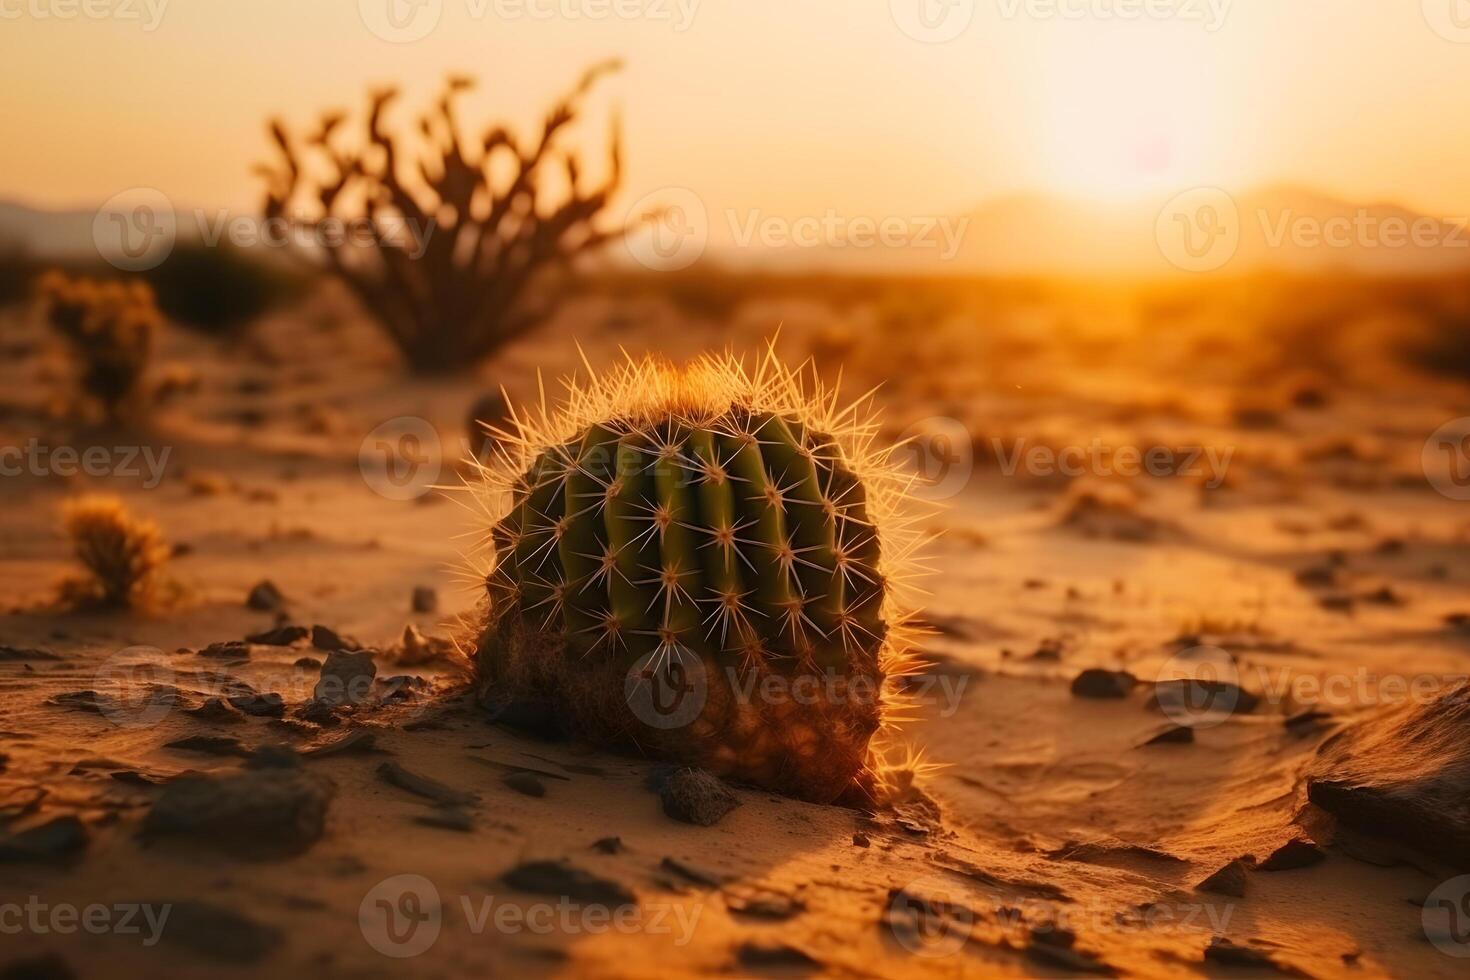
(123, 555)
(109, 328)
(218, 289)
(462, 231)
(17, 274)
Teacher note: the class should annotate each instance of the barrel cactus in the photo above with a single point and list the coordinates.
(704, 564)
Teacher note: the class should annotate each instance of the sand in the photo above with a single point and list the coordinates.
(1059, 835)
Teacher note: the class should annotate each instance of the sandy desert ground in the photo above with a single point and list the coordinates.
(1062, 832)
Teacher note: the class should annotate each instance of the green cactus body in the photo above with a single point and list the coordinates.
(723, 539)
(719, 553)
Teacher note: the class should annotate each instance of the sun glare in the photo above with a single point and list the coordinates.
(1125, 114)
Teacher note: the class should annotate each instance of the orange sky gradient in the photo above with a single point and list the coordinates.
(788, 107)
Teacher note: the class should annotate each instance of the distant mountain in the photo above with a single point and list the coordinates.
(1282, 228)
(1276, 228)
(46, 234)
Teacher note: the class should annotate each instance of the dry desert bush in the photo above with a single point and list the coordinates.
(109, 327)
(123, 555)
(450, 232)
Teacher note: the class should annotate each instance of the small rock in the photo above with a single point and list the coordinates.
(227, 650)
(217, 711)
(218, 933)
(56, 841)
(1295, 853)
(1228, 953)
(1317, 576)
(690, 873)
(265, 597)
(1172, 735)
(273, 756)
(562, 880)
(447, 818)
(347, 678)
(697, 797)
(1230, 880)
(209, 745)
(326, 638)
(353, 742)
(307, 663)
(766, 955)
(425, 599)
(47, 966)
(1098, 682)
(268, 705)
(395, 775)
(414, 648)
(608, 845)
(525, 782)
(860, 839)
(268, 812)
(281, 636)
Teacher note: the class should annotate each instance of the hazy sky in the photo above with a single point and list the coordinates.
(787, 106)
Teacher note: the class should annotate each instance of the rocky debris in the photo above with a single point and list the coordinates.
(860, 839)
(608, 845)
(347, 678)
(768, 955)
(1226, 952)
(1229, 880)
(562, 880)
(217, 932)
(695, 796)
(281, 636)
(1317, 576)
(431, 789)
(525, 782)
(1403, 775)
(536, 717)
(425, 599)
(209, 745)
(1171, 735)
(306, 663)
(55, 841)
(1056, 946)
(1197, 697)
(217, 711)
(15, 654)
(754, 902)
(401, 687)
(326, 638)
(414, 648)
(691, 874)
(271, 811)
(447, 818)
(1295, 853)
(1098, 682)
(357, 741)
(227, 650)
(47, 966)
(268, 705)
(265, 597)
